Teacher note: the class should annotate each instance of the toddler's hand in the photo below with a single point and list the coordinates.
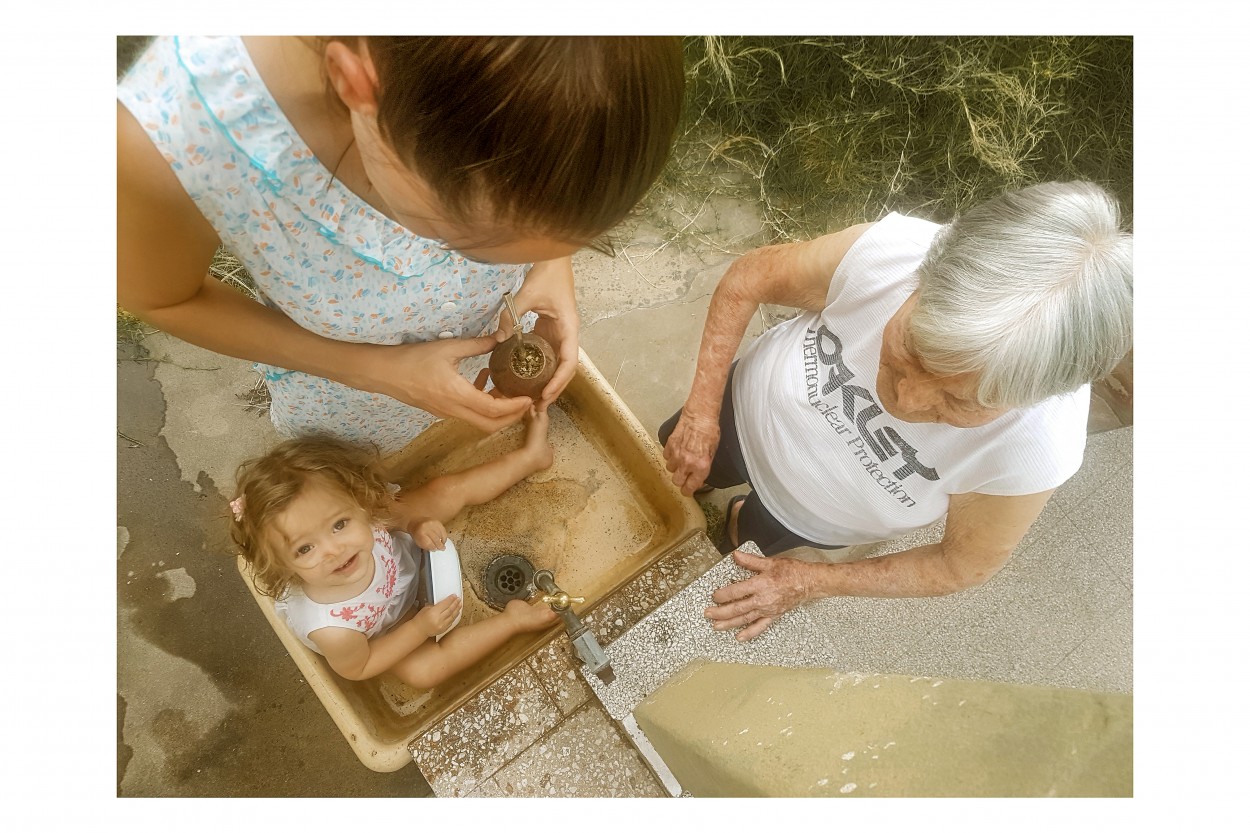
(429, 534)
(434, 619)
(527, 616)
(536, 446)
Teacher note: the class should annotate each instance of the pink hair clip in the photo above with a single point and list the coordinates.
(236, 506)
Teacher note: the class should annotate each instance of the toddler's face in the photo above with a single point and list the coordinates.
(414, 204)
(325, 538)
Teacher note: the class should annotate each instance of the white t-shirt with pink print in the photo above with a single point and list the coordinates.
(373, 611)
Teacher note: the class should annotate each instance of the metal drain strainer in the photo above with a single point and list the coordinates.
(506, 578)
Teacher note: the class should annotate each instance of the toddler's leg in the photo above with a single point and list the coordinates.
(537, 448)
(435, 662)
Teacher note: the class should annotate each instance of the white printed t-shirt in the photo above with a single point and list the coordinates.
(375, 609)
(830, 463)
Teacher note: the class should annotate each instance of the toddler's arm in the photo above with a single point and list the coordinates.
(442, 498)
(353, 655)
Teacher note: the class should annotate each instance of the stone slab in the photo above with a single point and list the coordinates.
(814, 732)
(677, 632)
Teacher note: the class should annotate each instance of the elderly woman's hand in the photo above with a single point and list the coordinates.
(689, 451)
(781, 584)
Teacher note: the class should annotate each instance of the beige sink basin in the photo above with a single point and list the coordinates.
(604, 512)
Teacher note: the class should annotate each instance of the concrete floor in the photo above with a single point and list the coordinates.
(210, 704)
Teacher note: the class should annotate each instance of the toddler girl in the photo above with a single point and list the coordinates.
(384, 193)
(324, 535)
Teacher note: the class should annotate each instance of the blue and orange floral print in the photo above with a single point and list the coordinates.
(318, 253)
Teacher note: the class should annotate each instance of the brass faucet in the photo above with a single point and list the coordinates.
(588, 650)
(562, 600)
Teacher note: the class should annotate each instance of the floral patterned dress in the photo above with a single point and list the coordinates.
(318, 253)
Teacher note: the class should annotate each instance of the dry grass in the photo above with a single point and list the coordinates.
(230, 270)
(131, 330)
(822, 133)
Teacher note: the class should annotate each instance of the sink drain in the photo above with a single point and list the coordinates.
(506, 578)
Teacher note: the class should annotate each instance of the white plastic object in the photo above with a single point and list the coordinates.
(446, 579)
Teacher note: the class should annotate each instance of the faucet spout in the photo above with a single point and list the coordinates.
(584, 642)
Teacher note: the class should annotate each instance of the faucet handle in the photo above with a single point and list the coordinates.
(562, 599)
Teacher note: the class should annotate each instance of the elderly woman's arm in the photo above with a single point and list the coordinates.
(794, 275)
(981, 533)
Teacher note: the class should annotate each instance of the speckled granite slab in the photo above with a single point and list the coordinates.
(676, 632)
(585, 757)
(537, 731)
(470, 745)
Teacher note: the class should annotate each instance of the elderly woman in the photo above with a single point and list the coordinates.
(937, 370)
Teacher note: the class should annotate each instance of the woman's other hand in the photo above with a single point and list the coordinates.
(426, 375)
(548, 291)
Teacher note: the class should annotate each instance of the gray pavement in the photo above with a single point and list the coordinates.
(209, 702)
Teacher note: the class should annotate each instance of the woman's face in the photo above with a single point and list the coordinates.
(414, 205)
(911, 393)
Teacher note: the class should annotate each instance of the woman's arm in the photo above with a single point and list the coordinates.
(164, 249)
(981, 533)
(795, 275)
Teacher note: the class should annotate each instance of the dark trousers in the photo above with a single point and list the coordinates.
(729, 469)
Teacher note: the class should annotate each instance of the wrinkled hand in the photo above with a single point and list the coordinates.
(426, 374)
(548, 291)
(781, 584)
(429, 534)
(434, 619)
(689, 451)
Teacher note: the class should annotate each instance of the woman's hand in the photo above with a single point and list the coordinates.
(426, 375)
(689, 451)
(434, 619)
(548, 291)
(780, 584)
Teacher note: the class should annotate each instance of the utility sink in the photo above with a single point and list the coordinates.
(604, 512)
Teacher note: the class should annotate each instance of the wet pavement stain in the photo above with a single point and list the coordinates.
(124, 752)
(273, 722)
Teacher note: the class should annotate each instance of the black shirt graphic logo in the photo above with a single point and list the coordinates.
(826, 375)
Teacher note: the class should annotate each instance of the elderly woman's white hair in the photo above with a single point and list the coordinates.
(1032, 290)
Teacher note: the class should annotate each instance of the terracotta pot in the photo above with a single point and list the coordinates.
(523, 365)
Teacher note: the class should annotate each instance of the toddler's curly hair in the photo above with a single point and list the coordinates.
(266, 485)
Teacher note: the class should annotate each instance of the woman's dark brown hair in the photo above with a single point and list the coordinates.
(560, 136)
